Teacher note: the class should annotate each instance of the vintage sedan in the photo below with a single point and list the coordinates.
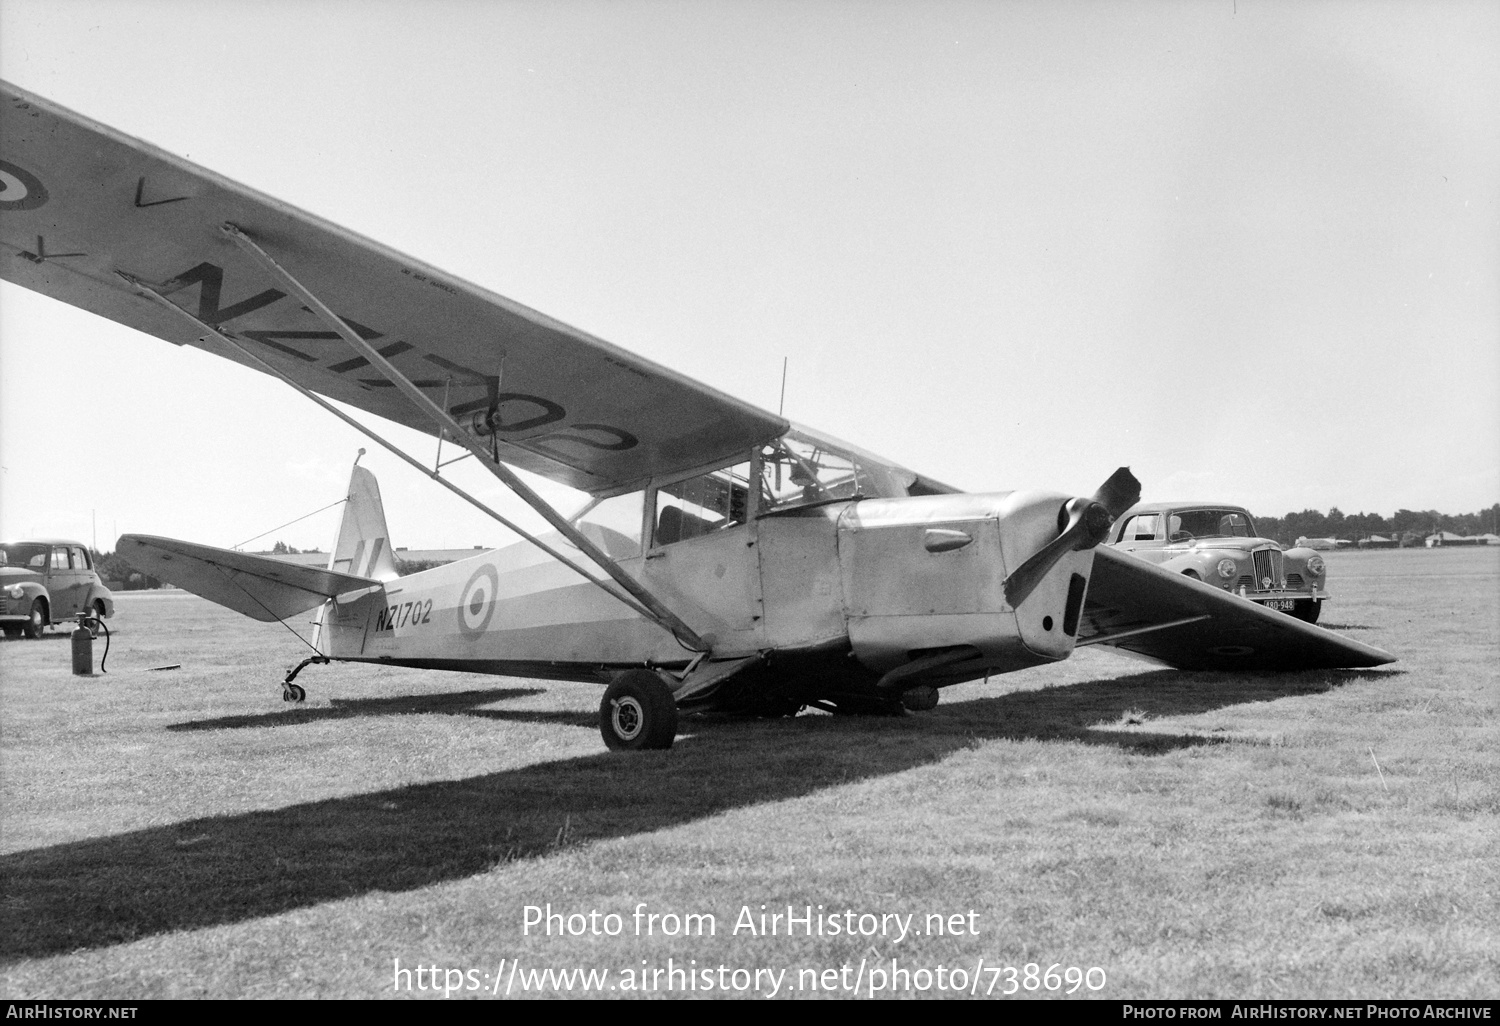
(47, 582)
(1218, 545)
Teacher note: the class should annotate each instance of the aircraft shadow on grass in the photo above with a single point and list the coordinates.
(224, 869)
(451, 703)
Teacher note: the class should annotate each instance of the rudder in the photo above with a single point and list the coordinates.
(363, 544)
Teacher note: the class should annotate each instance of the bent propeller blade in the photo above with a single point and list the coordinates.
(1119, 493)
(1088, 524)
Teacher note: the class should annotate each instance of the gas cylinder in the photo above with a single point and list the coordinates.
(83, 650)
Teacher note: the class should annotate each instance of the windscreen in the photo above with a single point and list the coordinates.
(799, 470)
(26, 554)
(1212, 523)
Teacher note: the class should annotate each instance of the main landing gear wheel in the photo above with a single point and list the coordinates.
(638, 712)
(1307, 609)
(293, 693)
(920, 698)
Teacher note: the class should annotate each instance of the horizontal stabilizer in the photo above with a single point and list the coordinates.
(1137, 607)
(257, 586)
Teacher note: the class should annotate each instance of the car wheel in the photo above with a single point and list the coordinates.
(37, 620)
(1307, 609)
(638, 713)
(98, 613)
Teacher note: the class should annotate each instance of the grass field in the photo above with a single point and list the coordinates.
(182, 833)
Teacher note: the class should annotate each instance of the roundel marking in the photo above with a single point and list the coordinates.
(1232, 650)
(477, 603)
(19, 188)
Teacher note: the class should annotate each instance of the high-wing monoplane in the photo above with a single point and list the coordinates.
(1324, 544)
(726, 559)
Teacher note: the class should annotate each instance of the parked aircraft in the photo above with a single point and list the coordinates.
(1323, 544)
(728, 558)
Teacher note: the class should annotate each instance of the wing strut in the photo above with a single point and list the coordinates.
(1105, 639)
(662, 615)
(150, 293)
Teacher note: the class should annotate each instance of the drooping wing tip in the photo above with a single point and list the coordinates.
(1194, 626)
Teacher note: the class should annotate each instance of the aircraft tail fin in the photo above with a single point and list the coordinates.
(363, 546)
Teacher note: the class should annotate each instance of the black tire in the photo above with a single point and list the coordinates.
(638, 713)
(1307, 609)
(38, 619)
(921, 698)
(98, 614)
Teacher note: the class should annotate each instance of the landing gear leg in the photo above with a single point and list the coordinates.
(294, 692)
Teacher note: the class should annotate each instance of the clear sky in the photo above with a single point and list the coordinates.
(1249, 248)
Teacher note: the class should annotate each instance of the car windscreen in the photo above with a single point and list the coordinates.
(26, 554)
(1212, 523)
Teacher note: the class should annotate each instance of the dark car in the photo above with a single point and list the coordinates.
(1218, 545)
(47, 582)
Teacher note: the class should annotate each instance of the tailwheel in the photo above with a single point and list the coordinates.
(293, 692)
(638, 712)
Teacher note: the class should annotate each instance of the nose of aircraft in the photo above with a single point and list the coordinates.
(1082, 524)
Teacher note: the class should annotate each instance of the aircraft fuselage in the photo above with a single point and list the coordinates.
(881, 581)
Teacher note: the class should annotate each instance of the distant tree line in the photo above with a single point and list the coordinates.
(112, 567)
(1409, 527)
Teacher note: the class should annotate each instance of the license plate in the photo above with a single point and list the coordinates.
(1280, 605)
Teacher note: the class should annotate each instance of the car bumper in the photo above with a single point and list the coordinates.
(1282, 600)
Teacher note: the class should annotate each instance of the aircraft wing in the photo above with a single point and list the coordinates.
(257, 586)
(81, 202)
(1138, 607)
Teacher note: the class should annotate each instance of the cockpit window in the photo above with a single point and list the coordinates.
(701, 505)
(798, 470)
(1210, 523)
(614, 524)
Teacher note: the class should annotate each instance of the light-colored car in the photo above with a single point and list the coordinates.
(48, 582)
(1218, 545)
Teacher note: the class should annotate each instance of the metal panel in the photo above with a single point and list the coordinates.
(800, 579)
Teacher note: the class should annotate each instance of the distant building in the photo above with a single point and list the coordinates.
(1376, 541)
(1443, 539)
